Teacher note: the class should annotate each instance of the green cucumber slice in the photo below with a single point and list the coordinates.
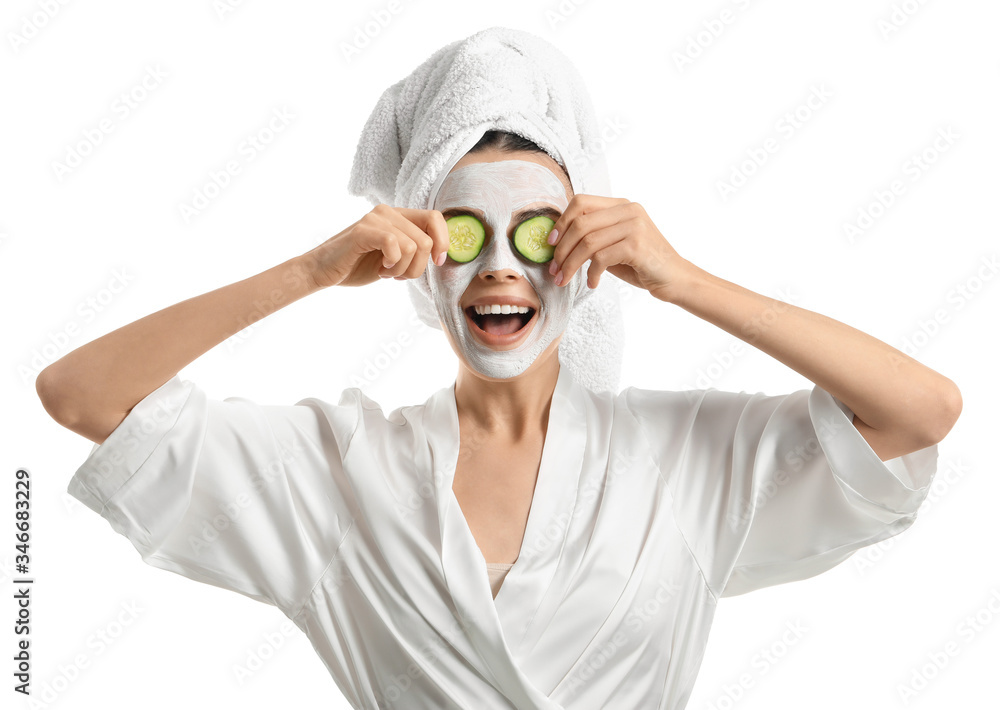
(465, 237)
(531, 239)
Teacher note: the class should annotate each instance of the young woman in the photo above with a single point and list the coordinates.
(605, 526)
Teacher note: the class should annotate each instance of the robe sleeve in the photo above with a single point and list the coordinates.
(774, 489)
(230, 493)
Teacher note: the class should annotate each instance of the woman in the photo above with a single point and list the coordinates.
(622, 518)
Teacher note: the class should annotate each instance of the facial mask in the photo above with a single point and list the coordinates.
(499, 190)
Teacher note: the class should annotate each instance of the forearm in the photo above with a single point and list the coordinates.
(886, 389)
(92, 388)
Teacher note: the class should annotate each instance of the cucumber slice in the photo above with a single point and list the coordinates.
(465, 237)
(530, 239)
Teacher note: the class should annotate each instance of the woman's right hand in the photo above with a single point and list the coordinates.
(386, 242)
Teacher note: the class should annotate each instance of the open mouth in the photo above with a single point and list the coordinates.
(503, 326)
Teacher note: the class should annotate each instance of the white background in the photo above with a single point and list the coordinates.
(673, 133)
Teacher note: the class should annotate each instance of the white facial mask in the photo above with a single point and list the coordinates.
(499, 190)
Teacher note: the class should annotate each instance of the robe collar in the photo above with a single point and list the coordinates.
(503, 630)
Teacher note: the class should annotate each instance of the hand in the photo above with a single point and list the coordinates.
(386, 242)
(618, 236)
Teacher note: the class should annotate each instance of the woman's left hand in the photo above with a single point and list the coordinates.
(618, 236)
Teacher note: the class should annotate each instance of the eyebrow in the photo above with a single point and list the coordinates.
(519, 216)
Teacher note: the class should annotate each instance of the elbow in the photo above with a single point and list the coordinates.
(55, 396)
(60, 395)
(944, 411)
(938, 413)
(51, 394)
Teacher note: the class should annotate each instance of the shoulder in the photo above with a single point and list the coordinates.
(359, 412)
(685, 412)
(643, 402)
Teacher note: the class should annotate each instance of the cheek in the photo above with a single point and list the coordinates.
(552, 296)
(449, 283)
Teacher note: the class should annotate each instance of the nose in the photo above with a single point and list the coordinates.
(505, 274)
(500, 263)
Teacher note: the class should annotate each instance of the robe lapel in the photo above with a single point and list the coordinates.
(524, 604)
(500, 629)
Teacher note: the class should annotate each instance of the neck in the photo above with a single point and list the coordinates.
(514, 408)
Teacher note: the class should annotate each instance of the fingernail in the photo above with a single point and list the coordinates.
(399, 278)
(553, 267)
(559, 277)
(441, 257)
(553, 235)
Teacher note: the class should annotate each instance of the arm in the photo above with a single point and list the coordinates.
(899, 404)
(91, 389)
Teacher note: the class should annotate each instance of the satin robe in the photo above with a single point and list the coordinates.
(648, 508)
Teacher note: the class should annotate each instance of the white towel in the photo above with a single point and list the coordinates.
(496, 79)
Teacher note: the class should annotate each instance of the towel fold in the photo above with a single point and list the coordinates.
(496, 79)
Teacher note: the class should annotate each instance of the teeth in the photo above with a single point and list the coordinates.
(495, 308)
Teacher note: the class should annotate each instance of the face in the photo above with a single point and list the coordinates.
(499, 193)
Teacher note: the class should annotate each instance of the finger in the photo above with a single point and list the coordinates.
(581, 204)
(376, 232)
(375, 237)
(580, 227)
(396, 250)
(589, 220)
(407, 249)
(589, 245)
(433, 225)
(416, 252)
(617, 253)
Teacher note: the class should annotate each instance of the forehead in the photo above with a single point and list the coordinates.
(512, 184)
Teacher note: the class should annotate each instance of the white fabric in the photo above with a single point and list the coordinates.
(649, 506)
(495, 79)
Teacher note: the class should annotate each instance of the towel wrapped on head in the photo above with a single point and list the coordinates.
(506, 80)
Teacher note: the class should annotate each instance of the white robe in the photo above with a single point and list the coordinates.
(649, 506)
